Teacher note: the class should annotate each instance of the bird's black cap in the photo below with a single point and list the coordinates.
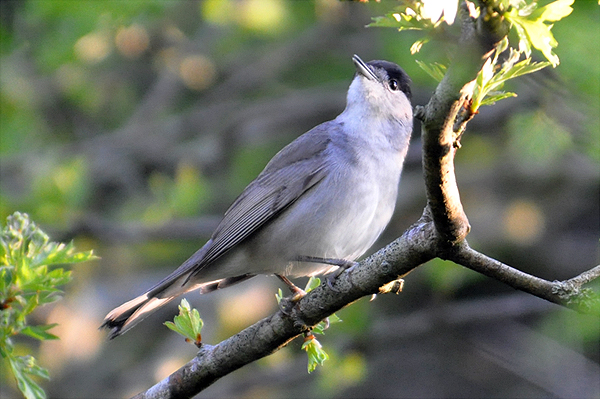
(394, 72)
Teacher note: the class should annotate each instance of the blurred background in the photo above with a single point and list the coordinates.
(129, 127)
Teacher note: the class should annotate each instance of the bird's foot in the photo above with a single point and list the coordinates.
(343, 265)
(287, 304)
(334, 275)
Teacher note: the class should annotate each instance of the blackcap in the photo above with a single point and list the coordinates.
(319, 204)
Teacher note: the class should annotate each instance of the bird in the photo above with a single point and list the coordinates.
(319, 204)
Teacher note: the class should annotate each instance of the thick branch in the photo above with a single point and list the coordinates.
(444, 119)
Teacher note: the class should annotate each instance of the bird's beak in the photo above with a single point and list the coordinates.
(363, 68)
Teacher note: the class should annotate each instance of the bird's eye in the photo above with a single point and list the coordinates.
(394, 84)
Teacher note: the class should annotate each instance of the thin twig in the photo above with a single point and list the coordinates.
(566, 293)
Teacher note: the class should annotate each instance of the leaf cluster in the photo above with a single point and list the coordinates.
(493, 75)
(531, 23)
(30, 276)
(187, 323)
(314, 350)
(418, 15)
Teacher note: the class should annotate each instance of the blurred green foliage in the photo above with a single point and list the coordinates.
(446, 278)
(60, 24)
(182, 195)
(544, 142)
(73, 86)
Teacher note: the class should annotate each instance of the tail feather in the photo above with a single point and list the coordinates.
(121, 319)
(224, 283)
(124, 317)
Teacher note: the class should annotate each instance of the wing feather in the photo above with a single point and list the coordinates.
(292, 172)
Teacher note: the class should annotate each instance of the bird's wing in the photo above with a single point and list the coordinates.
(291, 173)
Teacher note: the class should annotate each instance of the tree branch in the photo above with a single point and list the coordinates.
(568, 293)
(441, 139)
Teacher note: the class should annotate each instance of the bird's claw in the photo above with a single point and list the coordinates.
(335, 274)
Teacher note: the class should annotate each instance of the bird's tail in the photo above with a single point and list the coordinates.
(124, 317)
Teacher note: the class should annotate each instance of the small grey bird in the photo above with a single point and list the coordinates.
(319, 204)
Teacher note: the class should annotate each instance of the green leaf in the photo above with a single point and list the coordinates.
(333, 319)
(417, 45)
(435, 70)
(313, 282)
(409, 17)
(187, 323)
(23, 368)
(493, 98)
(532, 26)
(324, 325)
(315, 352)
(60, 254)
(554, 11)
(40, 332)
(492, 76)
(402, 18)
(541, 38)
(279, 295)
